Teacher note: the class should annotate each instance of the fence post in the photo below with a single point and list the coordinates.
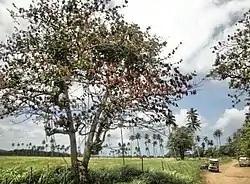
(65, 176)
(142, 164)
(162, 165)
(30, 175)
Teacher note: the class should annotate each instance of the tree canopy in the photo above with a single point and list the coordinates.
(232, 63)
(85, 45)
(232, 60)
(181, 140)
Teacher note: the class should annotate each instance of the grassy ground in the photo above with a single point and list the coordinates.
(182, 171)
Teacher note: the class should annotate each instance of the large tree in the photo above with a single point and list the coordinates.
(244, 142)
(86, 45)
(232, 63)
(182, 140)
(232, 60)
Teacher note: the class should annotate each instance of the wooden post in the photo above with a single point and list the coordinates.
(30, 175)
(142, 164)
(162, 165)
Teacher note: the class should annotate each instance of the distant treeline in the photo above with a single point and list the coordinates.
(27, 152)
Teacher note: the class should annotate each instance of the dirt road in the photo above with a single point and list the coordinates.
(230, 173)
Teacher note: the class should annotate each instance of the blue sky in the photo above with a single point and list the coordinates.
(199, 25)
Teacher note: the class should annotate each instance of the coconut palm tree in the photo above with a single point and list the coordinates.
(132, 138)
(108, 138)
(138, 137)
(154, 143)
(197, 141)
(161, 146)
(210, 143)
(203, 145)
(129, 148)
(46, 147)
(154, 150)
(229, 140)
(170, 121)
(52, 146)
(22, 145)
(158, 137)
(149, 142)
(193, 120)
(146, 137)
(205, 139)
(123, 147)
(193, 123)
(217, 135)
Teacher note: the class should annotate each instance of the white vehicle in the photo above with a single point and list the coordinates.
(213, 165)
(244, 161)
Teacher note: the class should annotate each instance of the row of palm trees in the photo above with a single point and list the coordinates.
(154, 144)
(30, 148)
(133, 148)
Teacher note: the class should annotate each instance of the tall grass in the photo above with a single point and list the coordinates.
(42, 170)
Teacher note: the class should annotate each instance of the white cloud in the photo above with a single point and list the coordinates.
(228, 122)
(231, 120)
(195, 23)
(198, 24)
(181, 120)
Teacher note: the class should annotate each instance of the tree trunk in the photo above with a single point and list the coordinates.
(131, 148)
(72, 137)
(182, 154)
(84, 175)
(123, 159)
(198, 152)
(138, 146)
(73, 156)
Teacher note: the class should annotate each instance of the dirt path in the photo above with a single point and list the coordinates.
(230, 173)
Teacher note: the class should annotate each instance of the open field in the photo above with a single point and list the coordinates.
(177, 171)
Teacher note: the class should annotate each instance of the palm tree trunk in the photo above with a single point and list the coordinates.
(138, 146)
(153, 149)
(123, 159)
(198, 152)
(159, 150)
(131, 148)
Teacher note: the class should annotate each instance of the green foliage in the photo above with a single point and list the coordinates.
(85, 44)
(104, 171)
(181, 139)
(232, 60)
(193, 120)
(244, 142)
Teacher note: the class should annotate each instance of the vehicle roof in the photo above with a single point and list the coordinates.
(243, 157)
(214, 160)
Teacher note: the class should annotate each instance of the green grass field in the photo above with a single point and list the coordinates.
(187, 171)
